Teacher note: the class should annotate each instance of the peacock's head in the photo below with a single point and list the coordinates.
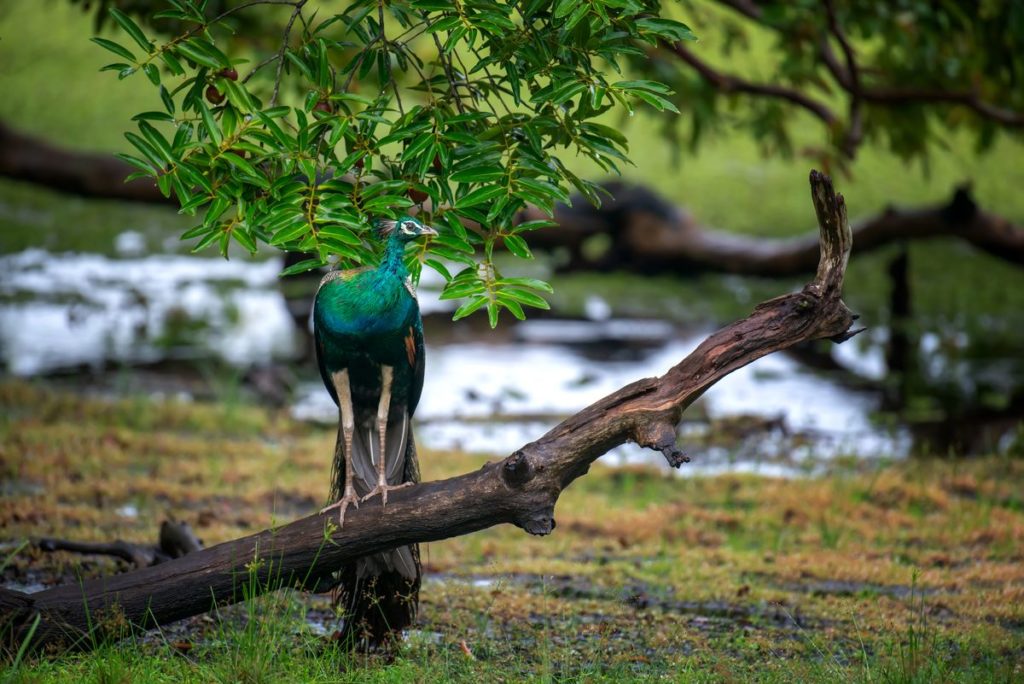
(405, 229)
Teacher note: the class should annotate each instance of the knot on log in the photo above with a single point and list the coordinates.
(516, 470)
(660, 436)
(539, 523)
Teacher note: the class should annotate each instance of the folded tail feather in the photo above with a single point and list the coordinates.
(380, 593)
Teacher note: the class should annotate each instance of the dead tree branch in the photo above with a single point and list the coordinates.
(521, 489)
(649, 235)
(175, 540)
(89, 174)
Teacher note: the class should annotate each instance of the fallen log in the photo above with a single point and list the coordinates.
(522, 489)
(176, 539)
(648, 233)
(89, 174)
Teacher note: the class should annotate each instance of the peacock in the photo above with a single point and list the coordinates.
(369, 346)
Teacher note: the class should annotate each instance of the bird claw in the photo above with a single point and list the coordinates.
(383, 490)
(342, 504)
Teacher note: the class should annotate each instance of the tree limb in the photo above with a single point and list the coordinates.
(176, 540)
(855, 130)
(90, 174)
(730, 83)
(650, 235)
(645, 240)
(521, 489)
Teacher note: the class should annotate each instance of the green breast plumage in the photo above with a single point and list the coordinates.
(365, 319)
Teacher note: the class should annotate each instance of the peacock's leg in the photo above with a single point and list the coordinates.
(387, 374)
(348, 423)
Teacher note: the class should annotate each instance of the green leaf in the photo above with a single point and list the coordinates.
(512, 305)
(290, 233)
(478, 174)
(116, 48)
(531, 283)
(243, 238)
(237, 94)
(157, 140)
(458, 289)
(666, 28)
(303, 266)
(172, 63)
(517, 246)
(656, 101)
(245, 167)
(129, 26)
(190, 50)
(492, 313)
(526, 297)
(469, 307)
(210, 124)
(152, 73)
(479, 196)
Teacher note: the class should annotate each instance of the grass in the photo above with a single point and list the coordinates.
(909, 572)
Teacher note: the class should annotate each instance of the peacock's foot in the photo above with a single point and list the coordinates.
(341, 504)
(383, 490)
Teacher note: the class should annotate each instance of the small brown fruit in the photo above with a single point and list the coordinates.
(214, 95)
(437, 163)
(417, 196)
(324, 107)
(230, 74)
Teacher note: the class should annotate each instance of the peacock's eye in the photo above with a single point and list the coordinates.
(408, 227)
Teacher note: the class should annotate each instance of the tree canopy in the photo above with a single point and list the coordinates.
(458, 108)
(903, 74)
(288, 124)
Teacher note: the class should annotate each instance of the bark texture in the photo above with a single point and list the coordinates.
(522, 489)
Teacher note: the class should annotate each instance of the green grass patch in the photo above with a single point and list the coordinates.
(909, 572)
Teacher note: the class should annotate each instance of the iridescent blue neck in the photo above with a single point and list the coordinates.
(394, 256)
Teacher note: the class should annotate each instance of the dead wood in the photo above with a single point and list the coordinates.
(522, 489)
(176, 540)
(89, 174)
(648, 233)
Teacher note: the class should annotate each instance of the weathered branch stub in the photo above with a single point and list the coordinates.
(521, 489)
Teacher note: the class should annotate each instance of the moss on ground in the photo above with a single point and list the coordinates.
(909, 572)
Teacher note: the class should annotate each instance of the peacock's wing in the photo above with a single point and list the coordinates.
(321, 360)
(417, 358)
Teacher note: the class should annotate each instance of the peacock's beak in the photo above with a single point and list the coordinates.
(427, 230)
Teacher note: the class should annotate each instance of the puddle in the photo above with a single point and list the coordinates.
(484, 393)
(493, 398)
(67, 311)
(61, 311)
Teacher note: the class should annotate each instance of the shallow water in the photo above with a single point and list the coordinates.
(488, 394)
(60, 311)
(493, 398)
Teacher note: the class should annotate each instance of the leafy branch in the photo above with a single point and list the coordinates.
(460, 117)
